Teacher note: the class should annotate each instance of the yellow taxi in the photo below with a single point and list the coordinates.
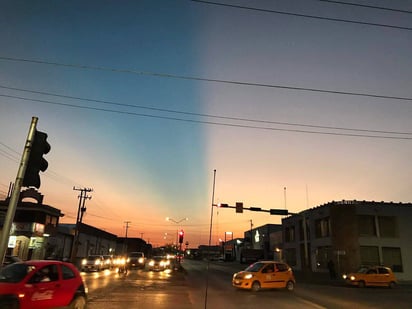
(371, 276)
(265, 275)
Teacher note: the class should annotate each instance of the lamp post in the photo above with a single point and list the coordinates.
(177, 222)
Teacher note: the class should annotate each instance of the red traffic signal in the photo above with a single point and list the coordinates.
(181, 235)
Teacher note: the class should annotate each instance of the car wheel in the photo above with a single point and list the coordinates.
(78, 303)
(255, 286)
(290, 286)
(361, 284)
(392, 285)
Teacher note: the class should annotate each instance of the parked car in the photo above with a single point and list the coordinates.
(159, 263)
(10, 259)
(37, 284)
(137, 259)
(93, 263)
(371, 276)
(265, 275)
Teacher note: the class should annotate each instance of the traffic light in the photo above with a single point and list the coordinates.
(36, 162)
(181, 235)
(239, 207)
(282, 212)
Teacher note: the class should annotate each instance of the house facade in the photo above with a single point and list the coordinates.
(34, 223)
(350, 234)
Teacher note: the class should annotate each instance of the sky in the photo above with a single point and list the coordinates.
(165, 107)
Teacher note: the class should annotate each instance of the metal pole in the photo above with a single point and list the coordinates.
(210, 236)
(11, 211)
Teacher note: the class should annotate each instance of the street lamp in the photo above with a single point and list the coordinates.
(177, 222)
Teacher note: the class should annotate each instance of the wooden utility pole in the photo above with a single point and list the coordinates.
(80, 211)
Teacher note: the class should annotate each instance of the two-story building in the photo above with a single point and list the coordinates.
(350, 234)
(33, 224)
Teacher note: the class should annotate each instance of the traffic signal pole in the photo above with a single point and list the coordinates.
(11, 210)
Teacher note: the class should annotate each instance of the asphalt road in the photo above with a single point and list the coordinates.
(209, 287)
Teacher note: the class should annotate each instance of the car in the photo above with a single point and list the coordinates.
(10, 259)
(42, 284)
(265, 275)
(93, 263)
(371, 276)
(159, 263)
(136, 259)
(108, 261)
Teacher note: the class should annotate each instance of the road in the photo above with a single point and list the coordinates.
(199, 286)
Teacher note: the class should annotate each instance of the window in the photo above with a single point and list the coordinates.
(45, 274)
(366, 225)
(369, 255)
(67, 273)
(388, 226)
(290, 256)
(392, 258)
(289, 234)
(301, 234)
(323, 256)
(383, 270)
(281, 267)
(322, 228)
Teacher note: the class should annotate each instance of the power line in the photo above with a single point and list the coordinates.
(223, 81)
(207, 122)
(367, 6)
(302, 15)
(203, 115)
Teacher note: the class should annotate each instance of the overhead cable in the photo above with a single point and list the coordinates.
(209, 122)
(201, 114)
(185, 77)
(303, 15)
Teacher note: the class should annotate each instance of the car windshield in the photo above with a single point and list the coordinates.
(255, 267)
(136, 254)
(15, 272)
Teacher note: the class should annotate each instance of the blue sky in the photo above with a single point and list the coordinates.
(145, 163)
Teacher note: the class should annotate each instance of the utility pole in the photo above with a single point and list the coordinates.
(15, 194)
(80, 211)
(125, 241)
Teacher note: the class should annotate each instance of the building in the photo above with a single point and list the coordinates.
(34, 223)
(350, 234)
(91, 241)
(262, 242)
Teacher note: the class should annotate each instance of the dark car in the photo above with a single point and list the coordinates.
(158, 263)
(10, 259)
(93, 263)
(136, 259)
(41, 284)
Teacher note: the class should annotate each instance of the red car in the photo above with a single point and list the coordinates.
(41, 285)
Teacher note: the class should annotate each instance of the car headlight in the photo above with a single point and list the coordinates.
(352, 278)
(344, 276)
(151, 263)
(84, 262)
(97, 262)
(141, 260)
(248, 276)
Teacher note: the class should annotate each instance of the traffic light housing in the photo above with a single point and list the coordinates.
(239, 207)
(36, 162)
(181, 236)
